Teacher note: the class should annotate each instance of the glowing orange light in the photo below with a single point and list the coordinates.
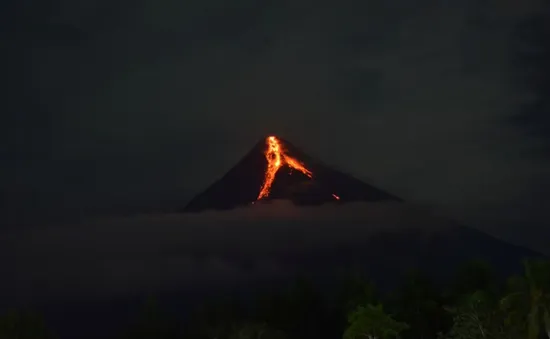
(276, 158)
(335, 196)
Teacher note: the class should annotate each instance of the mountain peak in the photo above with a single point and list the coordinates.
(276, 169)
(277, 156)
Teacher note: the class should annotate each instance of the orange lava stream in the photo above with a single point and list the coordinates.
(276, 158)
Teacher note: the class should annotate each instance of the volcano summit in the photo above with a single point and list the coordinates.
(275, 169)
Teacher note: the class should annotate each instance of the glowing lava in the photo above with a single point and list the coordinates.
(276, 158)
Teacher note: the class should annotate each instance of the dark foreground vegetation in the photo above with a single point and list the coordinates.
(474, 305)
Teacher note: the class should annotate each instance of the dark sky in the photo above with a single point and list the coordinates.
(116, 105)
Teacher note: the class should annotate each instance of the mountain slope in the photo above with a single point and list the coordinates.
(298, 178)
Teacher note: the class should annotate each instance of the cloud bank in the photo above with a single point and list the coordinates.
(116, 257)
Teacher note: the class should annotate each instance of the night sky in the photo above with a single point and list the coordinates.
(117, 106)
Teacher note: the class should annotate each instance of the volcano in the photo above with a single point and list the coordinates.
(276, 169)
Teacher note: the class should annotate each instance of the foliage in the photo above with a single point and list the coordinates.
(153, 323)
(475, 318)
(477, 308)
(528, 301)
(22, 325)
(522, 313)
(256, 331)
(371, 322)
(418, 303)
(472, 276)
(356, 291)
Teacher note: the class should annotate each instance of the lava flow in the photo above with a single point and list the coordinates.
(276, 158)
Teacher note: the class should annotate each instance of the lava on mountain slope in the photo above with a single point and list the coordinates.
(275, 169)
(277, 157)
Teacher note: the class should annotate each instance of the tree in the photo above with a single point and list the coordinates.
(256, 331)
(246, 330)
(418, 304)
(355, 290)
(475, 275)
(371, 322)
(215, 317)
(23, 325)
(299, 310)
(477, 316)
(529, 299)
(153, 323)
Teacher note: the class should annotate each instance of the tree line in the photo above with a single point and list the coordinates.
(474, 305)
